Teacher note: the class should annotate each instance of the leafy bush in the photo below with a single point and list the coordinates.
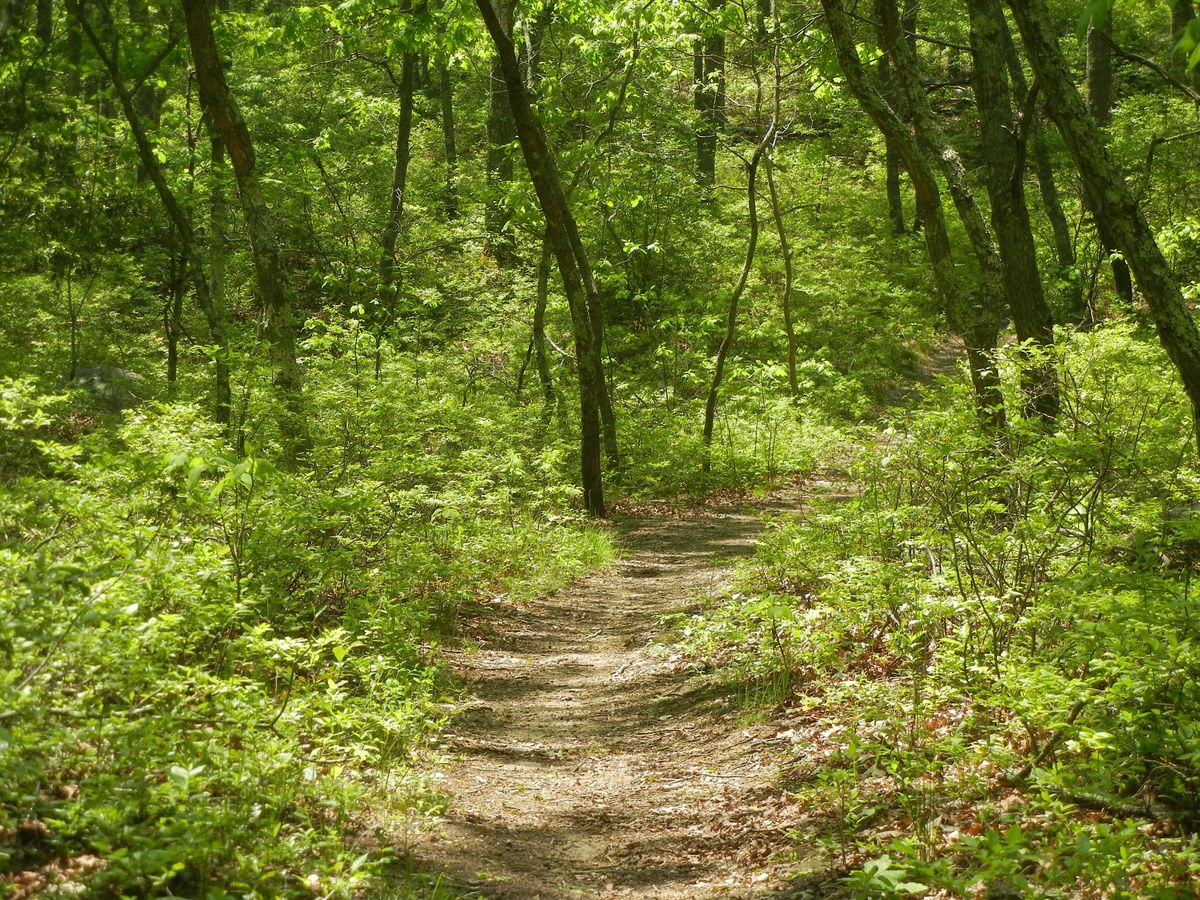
(214, 673)
(1017, 613)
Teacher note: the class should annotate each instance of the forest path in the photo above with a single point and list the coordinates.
(588, 765)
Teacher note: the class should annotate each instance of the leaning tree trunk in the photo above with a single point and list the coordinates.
(963, 312)
(268, 263)
(1064, 243)
(148, 156)
(560, 226)
(595, 307)
(499, 158)
(1004, 168)
(731, 315)
(933, 142)
(1110, 197)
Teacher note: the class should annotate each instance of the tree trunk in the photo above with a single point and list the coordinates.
(1004, 168)
(534, 32)
(1099, 69)
(891, 157)
(499, 158)
(785, 249)
(963, 312)
(563, 235)
(268, 264)
(218, 219)
(932, 142)
(1099, 77)
(45, 21)
(446, 96)
(1064, 244)
(731, 315)
(173, 317)
(709, 94)
(148, 157)
(391, 229)
(539, 324)
(1110, 197)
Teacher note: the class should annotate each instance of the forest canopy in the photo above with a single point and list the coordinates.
(330, 333)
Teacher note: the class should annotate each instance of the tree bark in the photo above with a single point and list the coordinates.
(268, 264)
(1110, 197)
(148, 156)
(891, 156)
(45, 21)
(963, 311)
(562, 232)
(931, 140)
(173, 316)
(789, 278)
(709, 94)
(785, 247)
(1004, 167)
(218, 218)
(446, 97)
(1099, 69)
(1099, 81)
(391, 229)
(1064, 244)
(539, 324)
(499, 158)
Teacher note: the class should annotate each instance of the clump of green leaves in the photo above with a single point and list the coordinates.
(1002, 620)
(214, 674)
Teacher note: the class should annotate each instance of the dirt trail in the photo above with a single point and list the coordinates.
(589, 765)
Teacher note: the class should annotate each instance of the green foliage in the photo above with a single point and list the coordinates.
(979, 607)
(213, 668)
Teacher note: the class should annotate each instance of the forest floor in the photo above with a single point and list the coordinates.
(591, 762)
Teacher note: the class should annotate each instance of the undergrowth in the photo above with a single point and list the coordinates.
(214, 674)
(988, 650)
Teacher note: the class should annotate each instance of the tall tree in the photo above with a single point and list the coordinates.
(933, 142)
(735, 297)
(573, 267)
(446, 101)
(1099, 80)
(499, 141)
(189, 250)
(1003, 142)
(227, 119)
(405, 85)
(1110, 197)
(708, 56)
(968, 318)
(1064, 242)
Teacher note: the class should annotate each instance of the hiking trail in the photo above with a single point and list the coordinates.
(590, 762)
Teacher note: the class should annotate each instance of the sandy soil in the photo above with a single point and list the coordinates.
(589, 763)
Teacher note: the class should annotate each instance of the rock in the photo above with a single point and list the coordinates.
(113, 386)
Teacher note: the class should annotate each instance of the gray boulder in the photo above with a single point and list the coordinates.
(112, 386)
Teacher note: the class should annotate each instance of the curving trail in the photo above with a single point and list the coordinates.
(588, 766)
